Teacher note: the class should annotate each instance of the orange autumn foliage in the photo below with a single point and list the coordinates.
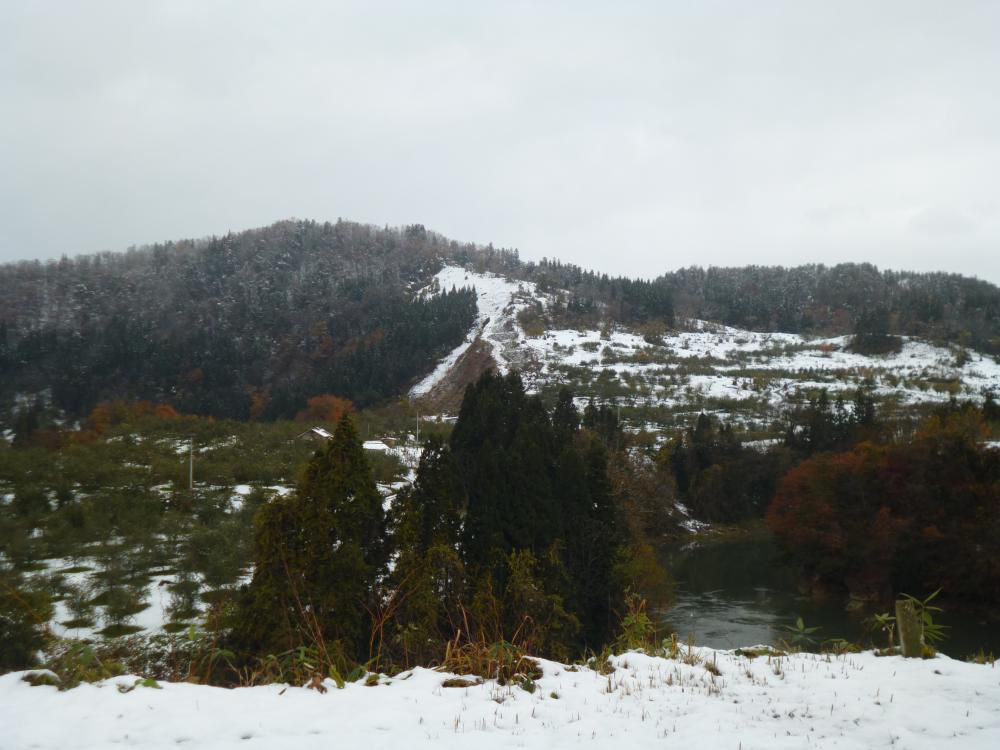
(110, 413)
(910, 516)
(325, 408)
(259, 401)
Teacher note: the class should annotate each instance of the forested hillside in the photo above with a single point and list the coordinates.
(251, 325)
(246, 325)
(841, 299)
(815, 299)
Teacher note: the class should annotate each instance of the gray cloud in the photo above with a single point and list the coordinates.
(630, 137)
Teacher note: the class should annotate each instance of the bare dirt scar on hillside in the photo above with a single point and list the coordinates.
(446, 395)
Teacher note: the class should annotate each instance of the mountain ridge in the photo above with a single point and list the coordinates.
(251, 324)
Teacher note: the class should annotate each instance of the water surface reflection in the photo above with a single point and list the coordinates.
(732, 594)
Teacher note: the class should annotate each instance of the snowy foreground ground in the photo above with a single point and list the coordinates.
(799, 701)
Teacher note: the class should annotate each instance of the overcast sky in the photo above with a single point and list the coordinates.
(629, 137)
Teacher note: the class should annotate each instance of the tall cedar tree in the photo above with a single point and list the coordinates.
(428, 577)
(319, 554)
(539, 485)
(502, 445)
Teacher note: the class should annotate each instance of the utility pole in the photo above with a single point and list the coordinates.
(618, 421)
(191, 464)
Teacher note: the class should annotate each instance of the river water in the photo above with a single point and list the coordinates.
(737, 593)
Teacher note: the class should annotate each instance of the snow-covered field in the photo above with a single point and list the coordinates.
(82, 573)
(152, 618)
(706, 361)
(798, 701)
(780, 363)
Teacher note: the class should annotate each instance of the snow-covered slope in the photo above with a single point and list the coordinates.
(798, 701)
(496, 323)
(703, 364)
(727, 363)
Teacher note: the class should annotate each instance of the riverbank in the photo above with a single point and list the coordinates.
(703, 699)
(733, 588)
(754, 528)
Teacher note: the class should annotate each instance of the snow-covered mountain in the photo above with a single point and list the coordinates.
(253, 324)
(697, 365)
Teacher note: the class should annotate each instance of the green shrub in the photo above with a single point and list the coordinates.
(79, 662)
(637, 630)
(24, 612)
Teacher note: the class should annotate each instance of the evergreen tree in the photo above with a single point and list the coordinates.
(319, 554)
(24, 611)
(4, 347)
(436, 499)
(516, 512)
(27, 423)
(339, 481)
(603, 420)
(595, 536)
(504, 450)
(428, 578)
(539, 485)
(871, 332)
(721, 480)
(565, 417)
(532, 517)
